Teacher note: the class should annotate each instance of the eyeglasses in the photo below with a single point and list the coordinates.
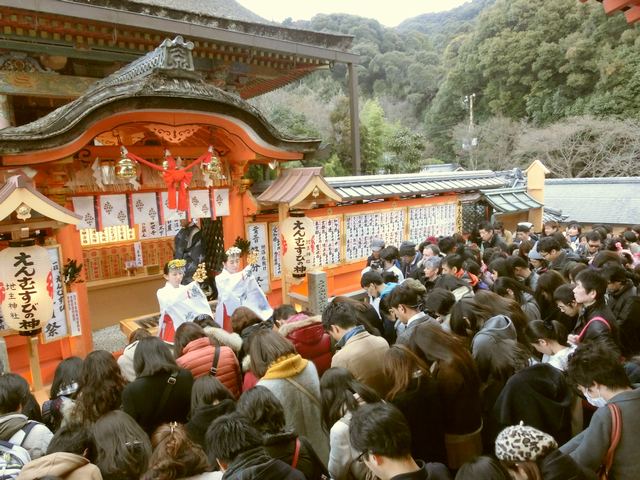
(591, 245)
(360, 458)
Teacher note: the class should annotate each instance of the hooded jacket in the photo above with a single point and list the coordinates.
(310, 340)
(198, 355)
(494, 331)
(69, 466)
(204, 416)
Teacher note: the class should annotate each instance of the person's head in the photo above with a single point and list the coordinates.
(519, 447)
(377, 244)
(447, 245)
(266, 347)
(407, 252)
(485, 468)
(341, 393)
(545, 335)
(185, 334)
(229, 436)
(551, 227)
(432, 267)
(11, 392)
(616, 276)
(500, 267)
(548, 282)
(137, 334)
(243, 317)
(208, 390)
(231, 260)
(372, 281)
(430, 250)
(452, 264)
(366, 314)
(566, 301)
(66, 378)
(174, 454)
(402, 367)
(123, 449)
(153, 356)
(485, 230)
(100, 386)
(594, 242)
(283, 312)
(73, 439)
(380, 432)
(174, 272)
(407, 299)
(590, 287)
(338, 319)
(519, 266)
(630, 236)
(389, 255)
(573, 269)
(263, 410)
(438, 302)
(511, 288)
(549, 248)
(574, 229)
(596, 369)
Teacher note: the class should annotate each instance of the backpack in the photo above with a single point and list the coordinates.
(13, 456)
(12, 459)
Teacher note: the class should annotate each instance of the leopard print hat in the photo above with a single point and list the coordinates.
(521, 443)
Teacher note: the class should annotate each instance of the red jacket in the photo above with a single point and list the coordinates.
(198, 355)
(310, 340)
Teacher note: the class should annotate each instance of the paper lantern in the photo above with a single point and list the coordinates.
(26, 287)
(298, 244)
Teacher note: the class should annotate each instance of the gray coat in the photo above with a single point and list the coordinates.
(302, 415)
(590, 446)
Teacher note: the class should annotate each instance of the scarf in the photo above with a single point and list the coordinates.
(285, 367)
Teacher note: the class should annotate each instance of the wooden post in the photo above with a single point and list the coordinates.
(283, 214)
(34, 362)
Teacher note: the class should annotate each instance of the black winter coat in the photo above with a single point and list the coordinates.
(282, 447)
(205, 416)
(256, 464)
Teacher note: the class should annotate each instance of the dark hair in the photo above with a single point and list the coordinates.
(389, 276)
(67, 373)
(453, 260)
(516, 261)
(502, 266)
(229, 436)
(450, 282)
(153, 356)
(446, 244)
(502, 285)
(11, 392)
(485, 468)
(596, 362)
(593, 236)
(263, 409)
(138, 333)
(592, 280)
(370, 277)
(283, 312)
(340, 314)
(73, 439)
(341, 393)
(174, 454)
(439, 301)
(100, 386)
(242, 318)
(561, 239)
(366, 314)
(400, 367)
(486, 226)
(548, 282)
(204, 320)
(389, 254)
(564, 294)
(410, 293)
(381, 429)
(546, 330)
(266, 347)
(552, 224)
(185, 334)
(471, 313)
(615, 273)
(207, 390)
(547, 244)
(630, 236)
(605, 257)
(572, 270)
(124, 449)
(575, 225)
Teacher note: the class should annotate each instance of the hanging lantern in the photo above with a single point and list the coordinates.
(26, 287)
(125, 168)
(298, 244)
(213, 168)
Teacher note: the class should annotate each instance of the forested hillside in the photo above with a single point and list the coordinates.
(555, 80)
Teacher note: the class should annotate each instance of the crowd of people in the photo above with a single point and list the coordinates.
(494, 355)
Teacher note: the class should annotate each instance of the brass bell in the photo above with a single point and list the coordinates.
(212, 168)
(126, 168)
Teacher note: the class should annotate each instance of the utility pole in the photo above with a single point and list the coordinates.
(471, 141)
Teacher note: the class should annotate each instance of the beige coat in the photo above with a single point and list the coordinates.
(60, 464)
(363, 356)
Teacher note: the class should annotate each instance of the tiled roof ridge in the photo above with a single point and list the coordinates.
(588, 180)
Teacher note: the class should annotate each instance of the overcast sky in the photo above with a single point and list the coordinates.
(389, 13)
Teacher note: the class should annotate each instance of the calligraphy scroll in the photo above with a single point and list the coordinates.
(432, 220)
(57, 327)
(257, 235)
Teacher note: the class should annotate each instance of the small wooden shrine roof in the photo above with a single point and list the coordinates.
(19, 189)
(295, 185)
(631, 8)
